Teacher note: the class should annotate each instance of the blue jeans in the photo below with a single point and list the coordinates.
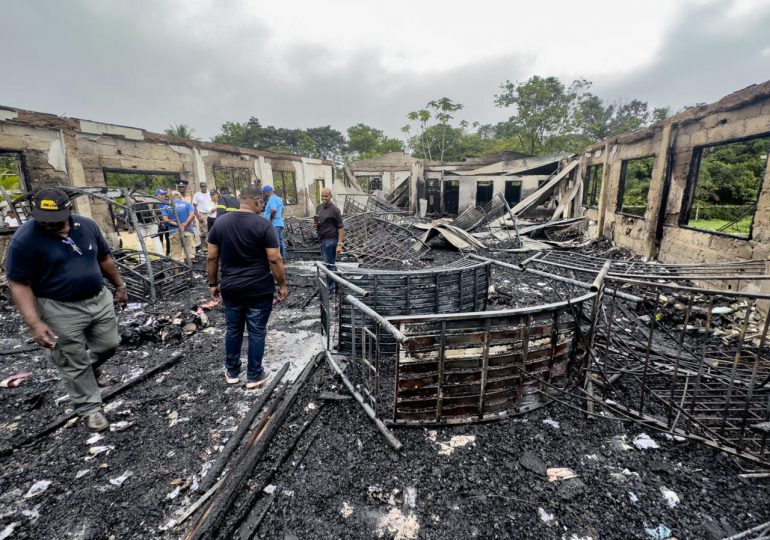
(254, 316)
(281, 241)
(329, 252)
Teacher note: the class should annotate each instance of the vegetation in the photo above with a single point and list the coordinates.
(180, 130)
(545, 115)
(727, 186)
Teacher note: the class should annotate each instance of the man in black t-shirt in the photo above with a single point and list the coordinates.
(56, 265)
(331, 231)
(245, 244)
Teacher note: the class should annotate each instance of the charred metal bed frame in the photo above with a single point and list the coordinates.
(376, 242)
(149, 276)
(430, 364)
(692, 361)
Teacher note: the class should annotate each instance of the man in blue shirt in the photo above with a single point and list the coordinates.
(57, 262)
(180, 227)
(274, 214)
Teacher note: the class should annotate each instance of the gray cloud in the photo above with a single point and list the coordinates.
(149, 63)
(702, 59)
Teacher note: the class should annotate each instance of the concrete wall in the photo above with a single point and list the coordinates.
(68, 151)
(659, 235)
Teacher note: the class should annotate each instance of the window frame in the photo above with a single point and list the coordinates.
(622, 185)
(591, 195)
(231, 181)
(279, 185)
(692, 181)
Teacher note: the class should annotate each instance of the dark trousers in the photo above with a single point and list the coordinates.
(254, 316)
(329, 252)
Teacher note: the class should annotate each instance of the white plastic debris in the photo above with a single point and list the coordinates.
(675, 438)
(545, 517)
(310, 407)
(113, 405)
(410, 496)
(173, 495)
(288, 492)
(661, 532)
(458, 441)
(37, 488)
(672, 499)
(347, 509)
(552, 423)
(33, 514)
(8, 531)
(122, 425)
(269, 489)
(645, 442)
(633, 497)
(96, 450)
(560, 473)
(122, 478)
(94, 439)
(82, 473)
(173, 418)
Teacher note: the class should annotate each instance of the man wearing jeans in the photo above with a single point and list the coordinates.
(274, 214)
(331, 231)
(247, 247)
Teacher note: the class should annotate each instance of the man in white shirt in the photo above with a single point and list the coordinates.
(204, 206)
(10, 219)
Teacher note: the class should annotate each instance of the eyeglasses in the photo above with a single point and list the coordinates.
(73, 245)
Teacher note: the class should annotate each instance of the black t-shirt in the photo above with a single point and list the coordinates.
(245, 271)
(57, 270)
(329, 221)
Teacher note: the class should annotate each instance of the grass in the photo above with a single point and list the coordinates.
(740, 228)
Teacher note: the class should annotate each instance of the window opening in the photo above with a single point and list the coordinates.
(233, 177)
(285, 186)
(724, 186)
(635, 179)
(592, 185)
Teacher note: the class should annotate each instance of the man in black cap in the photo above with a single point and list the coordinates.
(55, 268)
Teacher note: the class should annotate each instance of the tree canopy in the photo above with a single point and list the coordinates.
(544, 115)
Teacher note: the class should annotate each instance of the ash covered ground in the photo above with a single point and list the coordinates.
(339, 479)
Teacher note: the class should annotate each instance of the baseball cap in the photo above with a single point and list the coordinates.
(51, 205)
(267, 187)
(159, 192)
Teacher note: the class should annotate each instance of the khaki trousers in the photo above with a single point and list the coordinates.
(88, 336)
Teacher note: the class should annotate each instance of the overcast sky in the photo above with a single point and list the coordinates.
(150, 63)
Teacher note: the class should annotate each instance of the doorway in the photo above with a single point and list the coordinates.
(451, 196)
(513, 192)
(484, 191)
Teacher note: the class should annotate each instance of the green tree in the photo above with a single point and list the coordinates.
(180, 130)
(365, 142)
(544, 108)
(329, 143)
(434, 139)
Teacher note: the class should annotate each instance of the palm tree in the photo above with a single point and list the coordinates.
(180, 130)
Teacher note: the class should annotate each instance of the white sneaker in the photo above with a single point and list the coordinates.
(231, 380)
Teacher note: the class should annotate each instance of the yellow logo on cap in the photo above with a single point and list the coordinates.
(47, 204)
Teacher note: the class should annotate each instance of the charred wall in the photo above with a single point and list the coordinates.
(662, 232)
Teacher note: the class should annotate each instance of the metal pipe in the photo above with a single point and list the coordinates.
(556, 277)
(395, 443)
(597, 284)
(345, 283)
(355, 302)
